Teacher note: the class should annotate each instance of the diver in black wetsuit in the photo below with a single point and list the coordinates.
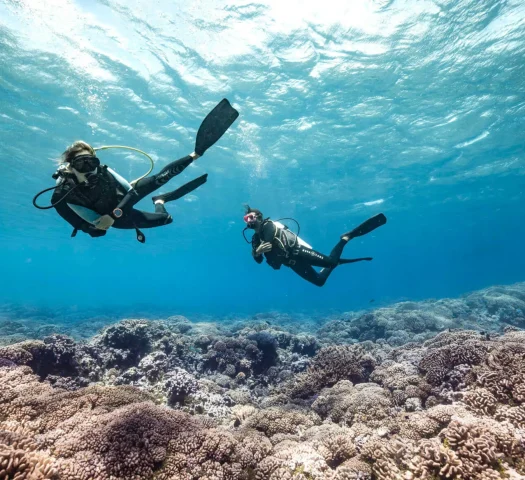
(281, 246)
(86, 183)
(93, 198)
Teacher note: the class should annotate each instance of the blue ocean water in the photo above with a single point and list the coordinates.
(413, 108)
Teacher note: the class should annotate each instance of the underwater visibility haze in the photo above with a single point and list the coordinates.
(411, 108)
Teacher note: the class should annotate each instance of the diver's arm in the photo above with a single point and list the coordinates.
(256, 241)
(256, 257)
(76, 222)
(268, 232)
(70, 216)
(126, 204)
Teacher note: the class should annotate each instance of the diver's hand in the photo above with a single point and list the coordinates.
(104, 222)
(263, 248)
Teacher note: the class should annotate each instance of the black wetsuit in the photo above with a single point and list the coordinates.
(107, 194)
(287, 251)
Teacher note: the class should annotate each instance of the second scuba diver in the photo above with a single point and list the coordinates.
(93, 198)
(281, 246)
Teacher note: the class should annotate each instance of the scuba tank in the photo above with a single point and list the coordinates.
(286, 237)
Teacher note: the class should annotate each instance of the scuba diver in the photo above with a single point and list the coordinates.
(281, 246)
(92, 197)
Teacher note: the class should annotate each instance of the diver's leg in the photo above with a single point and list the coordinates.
(309, 274)
(337, 251)
(149, 184)
(311, 257)
(152, 220)
(324, 274)
(160, 208)
(181, 191)
(344, 261)
(140, 219)
(317, 259)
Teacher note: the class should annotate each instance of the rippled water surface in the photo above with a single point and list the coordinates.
(413, 108)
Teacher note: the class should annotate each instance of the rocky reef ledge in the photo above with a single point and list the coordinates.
(428, 390)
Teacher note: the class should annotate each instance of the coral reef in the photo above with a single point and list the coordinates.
(486, 310)
(258, 399)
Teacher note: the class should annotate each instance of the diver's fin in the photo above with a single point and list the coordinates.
(342, 261)
(366, 227)
(215, 125)
(181, 191)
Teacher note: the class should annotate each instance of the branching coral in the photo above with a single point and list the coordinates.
(275, 420)
(331, 364)
(293, 461)
(438, 362)
(345, 403)
(23, 464)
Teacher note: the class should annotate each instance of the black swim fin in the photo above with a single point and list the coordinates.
(181, 191)
(366, 227)
(215, 125)
(344, 261)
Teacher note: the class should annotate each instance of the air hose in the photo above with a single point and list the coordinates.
(133, 182)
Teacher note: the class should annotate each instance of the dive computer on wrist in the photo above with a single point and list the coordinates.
(117, 213)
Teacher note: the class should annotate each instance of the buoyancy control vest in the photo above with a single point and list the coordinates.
(285, 244)
(91, 216)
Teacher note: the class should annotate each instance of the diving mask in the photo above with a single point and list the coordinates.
(250, 218)
(85, 163)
